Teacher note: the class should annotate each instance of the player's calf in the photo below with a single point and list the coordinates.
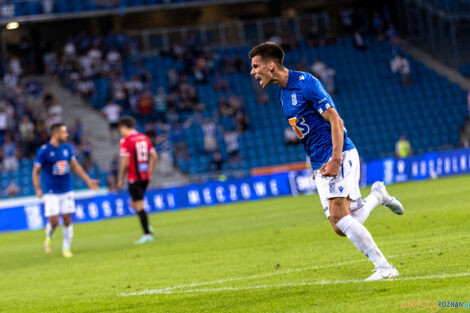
(339, 208)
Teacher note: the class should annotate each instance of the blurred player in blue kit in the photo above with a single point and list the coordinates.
(311, 112)
(56, 159)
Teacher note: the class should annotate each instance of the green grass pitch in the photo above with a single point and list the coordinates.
(276, 255)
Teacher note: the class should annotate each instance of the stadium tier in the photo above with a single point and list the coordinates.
(17, 8)
(376, 107)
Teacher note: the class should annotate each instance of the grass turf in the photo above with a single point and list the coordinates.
(276, 255)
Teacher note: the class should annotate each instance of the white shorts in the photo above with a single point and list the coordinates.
(62, 203)
(345, 185)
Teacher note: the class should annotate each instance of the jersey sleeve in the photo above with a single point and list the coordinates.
(124, 148)
(40, 157)
(315, 92)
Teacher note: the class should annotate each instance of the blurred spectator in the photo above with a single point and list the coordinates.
(314, 37)
(227, 65)
(209, 134)
(400, 64)
(114, 58)
(359, 41)
(86, 150)
(112, 112)
(14, 66)
(378, 25)
(325, 74)
(3, 120)
(347, 19)
(76, 132)
(288, 42)
(12, 190)
(395, 46)
(200, 71)
(391, 32)
(26, 128)
(69, 51)
(113, 174)
(161, 105)
(86, 88)
(290, 137)
(165, 153)
(216, 162)
(403, 147)
(10, 154)
(220, 83)
(178, 138)
(10, 80)
(146, 106)
(302, 66)
(232, 147)
(54, 113)
(239, 64)
(276, 39)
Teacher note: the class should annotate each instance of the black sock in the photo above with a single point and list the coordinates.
(144, 221)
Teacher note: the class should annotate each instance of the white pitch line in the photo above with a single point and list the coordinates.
(287, 285)
(298, 270)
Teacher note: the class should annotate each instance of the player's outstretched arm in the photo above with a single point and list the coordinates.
(78, 169)
(331, 168)
(152, 162)
(36, 181)
(123, 170)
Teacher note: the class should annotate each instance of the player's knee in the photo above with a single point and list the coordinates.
(54, 221)
(338, 231)
(334, 218)
(67, 222)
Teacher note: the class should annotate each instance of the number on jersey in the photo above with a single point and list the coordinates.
(142, 151)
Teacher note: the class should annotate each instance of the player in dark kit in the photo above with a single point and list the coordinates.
(138, 159)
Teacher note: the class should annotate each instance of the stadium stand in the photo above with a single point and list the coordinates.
(19, 8)
(430, 111)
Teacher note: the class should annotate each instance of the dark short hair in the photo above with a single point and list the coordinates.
(127, 121)
(268, 51)
(55, 127)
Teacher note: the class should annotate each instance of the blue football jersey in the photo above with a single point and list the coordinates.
(303, 101)
(55, 165)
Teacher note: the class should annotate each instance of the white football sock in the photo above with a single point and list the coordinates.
(67, 233)
(369, 203)
(362, 239)
(50, 230)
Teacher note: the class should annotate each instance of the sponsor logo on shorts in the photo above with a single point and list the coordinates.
(341, 188)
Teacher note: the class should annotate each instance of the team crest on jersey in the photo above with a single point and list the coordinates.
(332, 188)
(66, 153)
(294, 99)
(60, 168)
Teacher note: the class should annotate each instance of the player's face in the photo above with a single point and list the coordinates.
(62, 134)
(262, 71)
(123, 131)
